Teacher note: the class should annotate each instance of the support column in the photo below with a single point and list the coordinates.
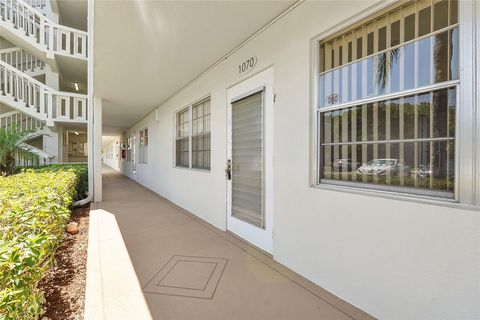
(97, 149)
(52, 78)
(51, 143)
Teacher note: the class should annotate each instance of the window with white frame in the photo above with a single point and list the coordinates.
(182, 142)
(387, 100)
(192, 141)
(143, 149)
(129, 148)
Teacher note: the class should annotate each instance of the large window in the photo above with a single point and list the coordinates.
(143, 149)
(192, 143)
(387, 101)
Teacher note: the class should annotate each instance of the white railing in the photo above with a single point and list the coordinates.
(22, 60)
(37, 4)
(32, 156)
(23, 121)
(41, 31)
(25, 94)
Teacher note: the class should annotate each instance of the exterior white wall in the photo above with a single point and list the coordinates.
(52, 144)
(394, 259)
(113, 162)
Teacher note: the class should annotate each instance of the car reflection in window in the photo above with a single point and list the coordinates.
(426, 171)
(382, 167)
(345, 165)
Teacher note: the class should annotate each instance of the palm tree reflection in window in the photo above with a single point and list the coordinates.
(442, 52)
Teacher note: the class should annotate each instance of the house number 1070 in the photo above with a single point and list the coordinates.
(247, 65)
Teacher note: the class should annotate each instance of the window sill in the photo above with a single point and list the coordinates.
(416, 198)
(193, 169)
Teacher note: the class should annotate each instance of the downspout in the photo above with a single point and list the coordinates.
(91, 158)
(90, 106)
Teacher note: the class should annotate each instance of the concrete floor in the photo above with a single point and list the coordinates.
(190, 270)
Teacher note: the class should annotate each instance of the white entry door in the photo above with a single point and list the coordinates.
(250, 160)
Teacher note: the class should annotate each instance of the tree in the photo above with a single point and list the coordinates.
(13, 147)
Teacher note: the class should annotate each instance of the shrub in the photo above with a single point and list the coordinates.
(34, 208)
(81, 172)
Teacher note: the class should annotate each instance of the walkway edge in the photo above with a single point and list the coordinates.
(113, 291)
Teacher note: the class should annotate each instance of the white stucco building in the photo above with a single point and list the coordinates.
(341, 137)
(350, 129)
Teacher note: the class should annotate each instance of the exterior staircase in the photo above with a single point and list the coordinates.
(41, 47)
(21, 120)
(23, 61)
(39, 5)
(21, 92)
(28, 28)
(38, 39)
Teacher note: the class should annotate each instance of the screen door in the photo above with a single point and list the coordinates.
(247, 160)
(250, 160)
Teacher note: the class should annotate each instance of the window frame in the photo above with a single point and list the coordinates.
(129, 149)
(143, 147)
(464, 194)
(189, 107)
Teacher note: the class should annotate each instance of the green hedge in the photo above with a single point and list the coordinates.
(81, 172)
(34, 208)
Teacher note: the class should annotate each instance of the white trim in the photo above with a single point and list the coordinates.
(476, 81)
(466, 111)
(465, 186)
(422, 193)
(389, 96)
(260, 237)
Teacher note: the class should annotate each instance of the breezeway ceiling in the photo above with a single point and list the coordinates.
(73, 13)
(147, 50)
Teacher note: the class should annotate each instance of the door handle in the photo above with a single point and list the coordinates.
(228, 170)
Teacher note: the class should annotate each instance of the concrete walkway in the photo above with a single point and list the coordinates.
(190, 270)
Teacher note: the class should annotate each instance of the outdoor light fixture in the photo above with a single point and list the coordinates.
(76, 86)
(76, 133)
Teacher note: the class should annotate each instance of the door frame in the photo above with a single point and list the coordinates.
(262, 81)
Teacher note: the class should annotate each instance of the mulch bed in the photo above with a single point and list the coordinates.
(64, 284)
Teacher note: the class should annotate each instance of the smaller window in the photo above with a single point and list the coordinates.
(201, 135)
(129, 149)
(182, 141)
(143, 150)
(192, 141)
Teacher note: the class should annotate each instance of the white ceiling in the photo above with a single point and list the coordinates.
(106, 140)
(73, 13)
(147, 50)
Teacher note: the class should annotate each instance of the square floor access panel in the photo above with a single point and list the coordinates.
(188, 276)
